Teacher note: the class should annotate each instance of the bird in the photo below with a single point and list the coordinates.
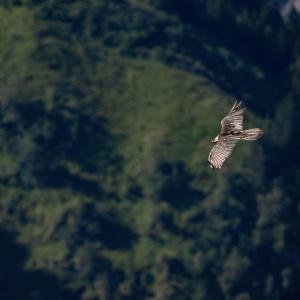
(231, 132)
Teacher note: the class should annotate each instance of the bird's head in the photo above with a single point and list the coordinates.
(215, 140)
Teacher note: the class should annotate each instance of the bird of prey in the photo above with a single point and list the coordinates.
(231, 132)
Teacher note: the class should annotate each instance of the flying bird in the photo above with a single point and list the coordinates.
(231, 132)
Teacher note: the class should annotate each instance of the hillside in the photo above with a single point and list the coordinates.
(108, 109)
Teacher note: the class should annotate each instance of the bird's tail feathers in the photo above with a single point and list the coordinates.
(252, 134)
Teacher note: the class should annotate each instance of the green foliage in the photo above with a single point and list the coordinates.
(107, 112)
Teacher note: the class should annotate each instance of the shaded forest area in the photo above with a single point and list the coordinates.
(107, 110)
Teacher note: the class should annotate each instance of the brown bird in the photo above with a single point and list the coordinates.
(231, 132)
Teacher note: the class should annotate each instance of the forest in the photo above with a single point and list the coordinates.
(107, 110)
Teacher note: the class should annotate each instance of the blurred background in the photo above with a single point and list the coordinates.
(107, 112)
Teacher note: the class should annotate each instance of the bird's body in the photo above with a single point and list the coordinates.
(231, 132)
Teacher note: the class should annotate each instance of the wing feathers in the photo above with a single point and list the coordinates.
(233, 121)
(231, 132)
(220, 151)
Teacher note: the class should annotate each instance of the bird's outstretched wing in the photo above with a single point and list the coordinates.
(234, 119)
(220, 151)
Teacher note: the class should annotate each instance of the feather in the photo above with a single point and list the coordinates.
(231, 132)
(220, 151)
(233, 120)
